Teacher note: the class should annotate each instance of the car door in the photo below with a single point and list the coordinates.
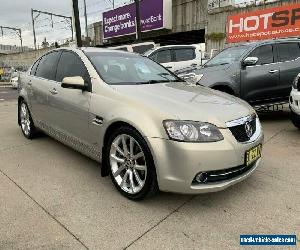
(261, 81)
(43, 75)
(289, 58)
(69, 108)
(163, 57)
(185, 57)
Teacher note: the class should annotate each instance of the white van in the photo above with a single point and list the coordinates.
(176, 57)
(139, 48)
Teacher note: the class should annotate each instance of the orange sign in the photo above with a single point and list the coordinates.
(283, 21)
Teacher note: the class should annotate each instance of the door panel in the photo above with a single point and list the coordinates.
(261, 82)
(69, 111)
(288, 54)
(43, 73)
(69, 108)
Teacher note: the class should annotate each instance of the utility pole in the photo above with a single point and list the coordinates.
(77, 23)
(138, 20)
(14, 29)
(33, 29)
(85, 17)
(51, 16)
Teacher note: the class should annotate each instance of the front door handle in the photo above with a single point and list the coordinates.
(53, 91)
(169, 67)
(273, 71)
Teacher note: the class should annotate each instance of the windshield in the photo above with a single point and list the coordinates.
(124, 69)
(227, 56)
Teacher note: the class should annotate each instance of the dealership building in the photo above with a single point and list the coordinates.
(217, 23)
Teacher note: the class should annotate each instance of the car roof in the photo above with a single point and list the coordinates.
(280, 40)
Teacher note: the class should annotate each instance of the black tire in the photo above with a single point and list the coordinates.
(31, 133)
(295, 119)
(150, 187)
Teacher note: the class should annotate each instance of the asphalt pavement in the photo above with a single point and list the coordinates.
(52, 197)
(7, 93)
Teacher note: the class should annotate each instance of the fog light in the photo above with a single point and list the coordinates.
(201, 177)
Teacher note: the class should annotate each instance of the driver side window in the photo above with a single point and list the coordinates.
(71, 65)
(264, 54)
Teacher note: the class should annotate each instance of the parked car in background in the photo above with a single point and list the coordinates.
(14, 79)
(175, 57)
(295, 102)
(149, 129)
(259, 72)
(139, 48)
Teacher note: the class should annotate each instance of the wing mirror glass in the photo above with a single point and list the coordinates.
(250, 61)
(74, 82)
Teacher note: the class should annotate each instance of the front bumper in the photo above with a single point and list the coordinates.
(177, 163)
(295, 101)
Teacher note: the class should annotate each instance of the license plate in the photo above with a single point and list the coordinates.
(253, 154)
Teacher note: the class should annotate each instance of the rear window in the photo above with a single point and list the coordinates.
(288, 51)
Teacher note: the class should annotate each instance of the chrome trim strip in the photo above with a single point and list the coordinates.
(240, 121)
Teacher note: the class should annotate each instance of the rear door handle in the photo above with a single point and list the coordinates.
(53, 91)
(169, 67)
(273, 71)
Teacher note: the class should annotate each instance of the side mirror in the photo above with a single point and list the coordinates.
(250, 61)
(74, 82)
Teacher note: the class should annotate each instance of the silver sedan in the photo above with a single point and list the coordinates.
(149, 129)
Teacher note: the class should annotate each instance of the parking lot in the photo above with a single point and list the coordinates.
(52, 197)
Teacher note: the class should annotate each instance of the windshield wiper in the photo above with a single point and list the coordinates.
(158, 81)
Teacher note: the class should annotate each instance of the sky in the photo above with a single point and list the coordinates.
(17, 13)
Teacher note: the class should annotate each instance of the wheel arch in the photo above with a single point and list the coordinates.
(108, 132)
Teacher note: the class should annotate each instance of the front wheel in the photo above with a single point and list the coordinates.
(131, 164)
(295, 119)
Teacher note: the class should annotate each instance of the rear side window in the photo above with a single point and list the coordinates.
(288, 51)
(142, 48)
(264, 54)
(47, 66)
(71, 65)
(184, 54)
(34, 67)
(163, 56)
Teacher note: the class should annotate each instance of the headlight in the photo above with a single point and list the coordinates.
(189, 131)
(296, 84)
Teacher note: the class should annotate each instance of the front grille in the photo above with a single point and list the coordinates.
(225, 174)
(239, 132)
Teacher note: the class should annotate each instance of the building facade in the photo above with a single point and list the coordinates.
(194, 21)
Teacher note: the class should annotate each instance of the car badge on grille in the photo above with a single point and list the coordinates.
(248, 129)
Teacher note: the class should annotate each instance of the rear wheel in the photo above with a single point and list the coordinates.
(131, 164)
(26, 122)
(295, 119)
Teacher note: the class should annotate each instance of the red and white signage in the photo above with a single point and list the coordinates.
(278, 22)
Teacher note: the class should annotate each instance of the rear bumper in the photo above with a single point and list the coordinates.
(295, 101)
(177, 163)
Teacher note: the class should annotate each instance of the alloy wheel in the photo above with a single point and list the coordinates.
(25, 119)
(128, 164)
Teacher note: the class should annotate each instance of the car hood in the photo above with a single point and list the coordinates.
(187, 102)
